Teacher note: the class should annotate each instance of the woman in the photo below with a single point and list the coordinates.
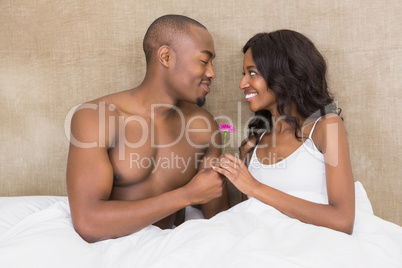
(303, 145)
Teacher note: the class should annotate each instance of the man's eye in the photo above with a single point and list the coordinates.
(205, 62)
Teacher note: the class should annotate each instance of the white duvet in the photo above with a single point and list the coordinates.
(37, 232)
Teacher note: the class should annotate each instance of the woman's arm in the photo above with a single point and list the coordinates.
(330, 139)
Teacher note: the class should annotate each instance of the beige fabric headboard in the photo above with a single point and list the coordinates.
(57, 54)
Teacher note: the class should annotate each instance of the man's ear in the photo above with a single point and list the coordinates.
(164, 55)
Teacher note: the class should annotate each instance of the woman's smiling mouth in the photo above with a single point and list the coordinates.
(250, 96)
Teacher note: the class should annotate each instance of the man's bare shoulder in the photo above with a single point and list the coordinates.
(92, 117)
(111, 104)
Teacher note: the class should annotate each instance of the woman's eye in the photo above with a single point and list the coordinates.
(252, 73)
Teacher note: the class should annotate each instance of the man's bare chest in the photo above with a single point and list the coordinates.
(155, 152)
(164, 153)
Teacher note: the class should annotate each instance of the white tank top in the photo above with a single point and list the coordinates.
(301, 172)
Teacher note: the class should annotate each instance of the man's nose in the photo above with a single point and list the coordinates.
(210, 72)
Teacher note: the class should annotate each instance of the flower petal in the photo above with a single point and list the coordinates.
(227, 127)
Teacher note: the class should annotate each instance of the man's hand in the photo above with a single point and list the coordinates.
(205, 186)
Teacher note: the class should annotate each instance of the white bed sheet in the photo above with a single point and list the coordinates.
(37, 231)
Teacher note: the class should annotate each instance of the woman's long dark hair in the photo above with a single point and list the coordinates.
(295, 71)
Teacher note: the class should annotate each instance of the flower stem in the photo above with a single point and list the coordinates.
(224, 142)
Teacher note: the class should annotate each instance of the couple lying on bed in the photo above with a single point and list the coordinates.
(139, 156)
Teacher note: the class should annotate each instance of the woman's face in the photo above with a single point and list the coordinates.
(256, 91)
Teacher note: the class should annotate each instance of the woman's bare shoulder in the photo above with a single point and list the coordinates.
(328, 126)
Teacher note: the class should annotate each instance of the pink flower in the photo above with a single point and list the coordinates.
(226, 128)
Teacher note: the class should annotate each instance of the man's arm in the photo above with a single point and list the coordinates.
(212, 155)
(90, 182)
(218, 204)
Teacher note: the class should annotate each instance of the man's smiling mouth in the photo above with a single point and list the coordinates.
(206, 87)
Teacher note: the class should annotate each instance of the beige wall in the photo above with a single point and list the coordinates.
(57, 54)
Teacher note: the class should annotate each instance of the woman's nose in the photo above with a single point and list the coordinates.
(244, 83)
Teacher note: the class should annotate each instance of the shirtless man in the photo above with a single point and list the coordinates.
(134, 155)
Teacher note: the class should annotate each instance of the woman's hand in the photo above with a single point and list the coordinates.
(236, 171)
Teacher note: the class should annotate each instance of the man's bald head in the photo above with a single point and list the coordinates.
(165, 31)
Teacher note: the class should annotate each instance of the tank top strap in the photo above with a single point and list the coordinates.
(262, 135)
(256, 146)
(312, 129)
